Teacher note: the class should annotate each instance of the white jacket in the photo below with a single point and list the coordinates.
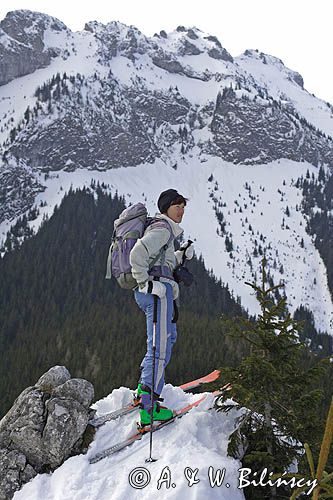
(147, 247)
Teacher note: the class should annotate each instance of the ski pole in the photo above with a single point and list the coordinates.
(150, 459)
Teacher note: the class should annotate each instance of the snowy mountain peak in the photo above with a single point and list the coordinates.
(28, 41)
(113, 28)
(118, 39)
(191, 42)
(94, 27)
(275, 62)
(193, 32)
(20, 24)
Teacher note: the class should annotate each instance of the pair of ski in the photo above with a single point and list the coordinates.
(211, 377)
(125, 410)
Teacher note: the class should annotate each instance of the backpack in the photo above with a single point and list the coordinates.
(128, 228)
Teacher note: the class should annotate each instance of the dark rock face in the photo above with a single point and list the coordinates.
(189, 49)
(215, 40)
(28, 27)
(191, 34)
(15, 471)
(118, 39)
(19, 186)
(263, 131)
(159, 106)
(170, 65)
(17, 60)
(112, 147)
(220, 53)
(43, 428)
(22, 48)
(115, 129)
(298, 79)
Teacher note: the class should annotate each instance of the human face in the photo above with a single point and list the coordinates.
(176, 212)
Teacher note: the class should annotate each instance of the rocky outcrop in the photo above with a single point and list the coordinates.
(297, 78)
(22, 45)
(191, 34)
(189, 49)
(218, 52)
(115, 129)
(43, 428)
(115, 39)
(170, 65)
(16, 178)
(262, 130)
(15, 471)
(18, 60)
(267, 59)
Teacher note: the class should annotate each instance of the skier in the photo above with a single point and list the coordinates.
(159, 281)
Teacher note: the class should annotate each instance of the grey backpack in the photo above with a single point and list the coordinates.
(128, 228)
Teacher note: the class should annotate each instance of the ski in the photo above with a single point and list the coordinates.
(125, 410)
(146, 429)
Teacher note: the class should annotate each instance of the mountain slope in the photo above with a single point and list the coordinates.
(180, 109)
(251, 202)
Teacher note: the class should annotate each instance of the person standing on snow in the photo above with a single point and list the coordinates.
(159, 281)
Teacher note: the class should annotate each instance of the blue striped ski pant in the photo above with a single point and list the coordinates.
(166, 335)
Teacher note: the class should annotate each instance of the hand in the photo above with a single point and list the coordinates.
(154, 287)
(187, 249)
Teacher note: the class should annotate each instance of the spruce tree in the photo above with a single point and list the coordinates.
(272, 389)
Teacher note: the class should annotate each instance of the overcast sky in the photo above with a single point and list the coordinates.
(297, 31)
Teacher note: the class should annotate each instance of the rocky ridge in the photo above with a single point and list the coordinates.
(43, 428)
(23, 47)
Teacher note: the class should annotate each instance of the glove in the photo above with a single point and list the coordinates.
(189, 251)
(185, 250)
(154, 287)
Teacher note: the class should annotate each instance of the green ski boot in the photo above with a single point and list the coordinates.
(139, 391)
(160, 413)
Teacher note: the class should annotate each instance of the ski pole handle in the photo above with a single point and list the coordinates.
(155, 309)
(189, 243)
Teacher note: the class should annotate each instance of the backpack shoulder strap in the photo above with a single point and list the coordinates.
(108, 274)
(153, 221)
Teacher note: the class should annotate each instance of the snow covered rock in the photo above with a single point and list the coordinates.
(17, 177)
(43, 428)
(263, 131)
(274, 62)
(23, 47)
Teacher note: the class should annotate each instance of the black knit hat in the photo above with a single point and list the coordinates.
(167, 198)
